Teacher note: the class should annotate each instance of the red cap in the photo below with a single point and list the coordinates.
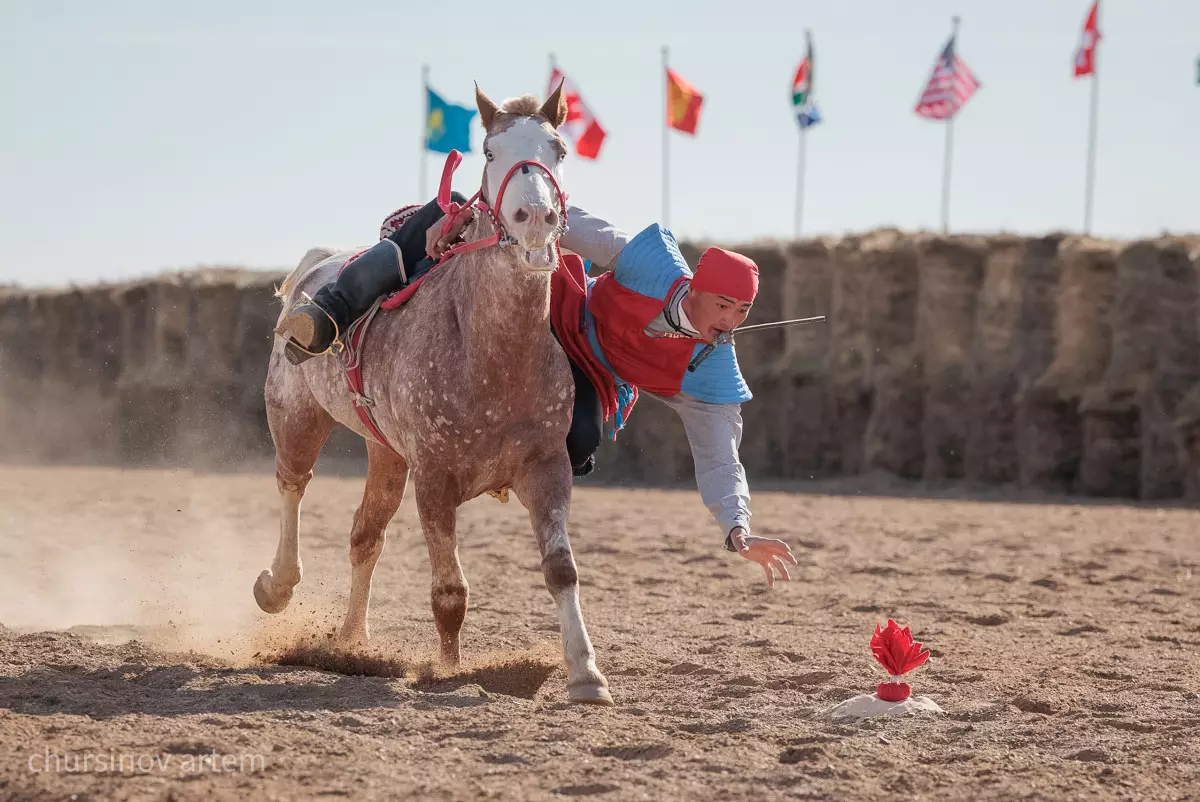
(726, 273)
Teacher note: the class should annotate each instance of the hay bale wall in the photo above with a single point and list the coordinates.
(847, 399)
(1175, 346)
(1081, 340)
(892, 440)
(991, 448)
(951, 275)
(806, 416)
(1065, 364)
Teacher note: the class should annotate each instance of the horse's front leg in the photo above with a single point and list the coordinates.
(545, 490)
(437, 504)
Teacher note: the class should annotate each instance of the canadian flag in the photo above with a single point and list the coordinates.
(1085, 56)
(581, 126)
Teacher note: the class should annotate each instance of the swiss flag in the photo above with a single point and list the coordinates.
(581, 126)
(1085, 56)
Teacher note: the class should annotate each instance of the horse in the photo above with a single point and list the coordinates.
(468, 387)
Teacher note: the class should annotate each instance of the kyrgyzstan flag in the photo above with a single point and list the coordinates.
(1085, 56)
(683, 103)
(581, 126)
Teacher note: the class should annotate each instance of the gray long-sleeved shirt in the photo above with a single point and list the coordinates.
(714, 431)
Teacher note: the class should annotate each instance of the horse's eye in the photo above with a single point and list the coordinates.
(489, 155)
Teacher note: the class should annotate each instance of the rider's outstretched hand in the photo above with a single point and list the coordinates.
(771, 554)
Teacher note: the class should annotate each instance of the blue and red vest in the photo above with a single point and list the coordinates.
(623, 302)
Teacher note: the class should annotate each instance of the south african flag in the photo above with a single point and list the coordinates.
(802, 90)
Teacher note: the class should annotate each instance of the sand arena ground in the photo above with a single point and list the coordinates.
(1064, 640)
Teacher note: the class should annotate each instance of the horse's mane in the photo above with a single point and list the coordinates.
(516, 107)
(525, 106)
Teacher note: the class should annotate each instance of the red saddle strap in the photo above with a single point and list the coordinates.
(352, 354)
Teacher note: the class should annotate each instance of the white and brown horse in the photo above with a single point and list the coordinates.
(470, 390)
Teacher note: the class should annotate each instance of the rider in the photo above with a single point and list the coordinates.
(647, 317)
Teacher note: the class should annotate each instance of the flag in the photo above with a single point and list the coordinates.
(581, 126)
(1085, 56)
(683, 103)
(950, 86)
(802, 91)
(447, 126)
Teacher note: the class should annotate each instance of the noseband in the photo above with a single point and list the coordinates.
(501, 237)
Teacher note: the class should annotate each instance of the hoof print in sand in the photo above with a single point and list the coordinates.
(801, 754)
(634, 752)
(586, 790)
(1028, 705)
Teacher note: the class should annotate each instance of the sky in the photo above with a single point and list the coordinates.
(143, 136)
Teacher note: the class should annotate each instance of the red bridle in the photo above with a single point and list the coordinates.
(454, 211)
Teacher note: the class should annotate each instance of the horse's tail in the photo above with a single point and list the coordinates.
(311, 259)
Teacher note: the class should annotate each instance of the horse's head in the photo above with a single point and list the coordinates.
(521, 140)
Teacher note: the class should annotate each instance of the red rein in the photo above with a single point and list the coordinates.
(454, 210)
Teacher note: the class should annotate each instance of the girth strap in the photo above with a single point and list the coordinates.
(352, 362)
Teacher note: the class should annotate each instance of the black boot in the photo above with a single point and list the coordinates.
(309, 328)
(586, 468)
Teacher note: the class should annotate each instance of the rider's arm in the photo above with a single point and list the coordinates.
(593, 238)
(714, 432)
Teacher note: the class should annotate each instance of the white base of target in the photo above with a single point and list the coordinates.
(870, 706)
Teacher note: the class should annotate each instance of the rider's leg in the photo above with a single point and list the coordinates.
(383, 269)
(587, 424)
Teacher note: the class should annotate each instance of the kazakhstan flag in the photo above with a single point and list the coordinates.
(447, 127)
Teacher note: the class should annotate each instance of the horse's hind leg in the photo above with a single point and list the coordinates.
(387, 473)
(299, 427)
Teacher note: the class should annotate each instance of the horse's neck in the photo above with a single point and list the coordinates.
(503, 309)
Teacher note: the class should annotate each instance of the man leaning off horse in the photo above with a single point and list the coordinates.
(647, 315)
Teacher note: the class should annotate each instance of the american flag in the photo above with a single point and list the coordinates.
(949, 87)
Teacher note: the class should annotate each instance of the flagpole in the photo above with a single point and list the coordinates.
(424, 131)
(800, 182)
(666, 142)
(949, 150)
(1091, 158)
(946, 176)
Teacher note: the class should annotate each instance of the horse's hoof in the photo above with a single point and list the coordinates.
(590, 694)
(270, 597)
(352, 641)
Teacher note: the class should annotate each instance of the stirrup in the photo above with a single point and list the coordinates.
(335, 345)
(500, 495)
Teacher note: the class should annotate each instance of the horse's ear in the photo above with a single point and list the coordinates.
(487, 109)
(555, 107)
